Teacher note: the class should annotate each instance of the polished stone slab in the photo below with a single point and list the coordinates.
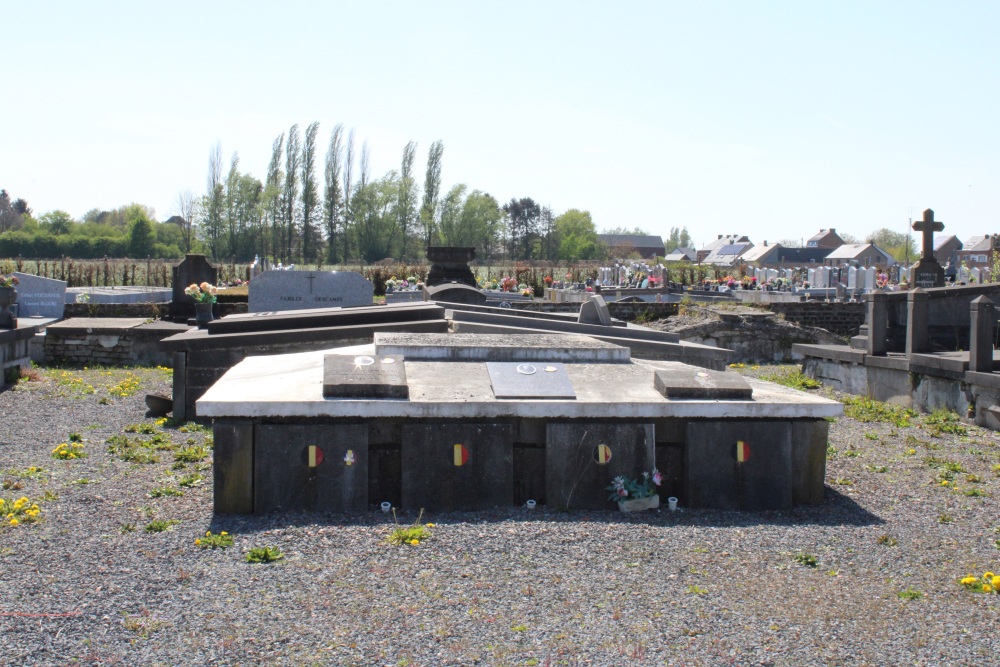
(523, 380)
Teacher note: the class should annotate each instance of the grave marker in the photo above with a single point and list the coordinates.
(927, 272)
(40, 297)
(301, 290)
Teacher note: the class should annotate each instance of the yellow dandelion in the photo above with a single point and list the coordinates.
(986, 587)
(966, 581)
(208, 533)
(197, 541)
(223, 533)
(14, 522)
(414, 542)
(1, 502)
(988, 575)
(430, 525)
(944, 482)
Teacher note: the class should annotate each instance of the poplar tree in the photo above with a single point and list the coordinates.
(432, 189)
(407, 204)
(333, 194)
(310, 194)
(290, 193)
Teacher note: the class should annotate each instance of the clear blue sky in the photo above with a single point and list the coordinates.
(771, 119)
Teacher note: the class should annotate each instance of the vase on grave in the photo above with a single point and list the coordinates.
(203, 314)
(8, 297)
(639, 504)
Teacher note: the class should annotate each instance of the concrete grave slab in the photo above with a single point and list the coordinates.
(494, 347)
(581, 459)
(298, 290)
(739, 465)
(40, 297)
(525, 380)
(364, 376)
(310, 467)
(690, 382)
(450, 466)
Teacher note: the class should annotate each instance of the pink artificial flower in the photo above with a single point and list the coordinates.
(622, 492)
(657, 477)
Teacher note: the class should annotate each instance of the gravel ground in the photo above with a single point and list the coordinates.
(88, 585)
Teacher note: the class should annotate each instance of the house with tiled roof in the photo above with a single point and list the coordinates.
(679, 254)
(775, 255)
(825, 238)
(946, 249)
(978, 252)
(625, 245)
(859, 254)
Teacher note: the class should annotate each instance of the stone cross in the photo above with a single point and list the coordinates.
(928, 226)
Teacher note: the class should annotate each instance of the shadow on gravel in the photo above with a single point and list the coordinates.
(837, 510)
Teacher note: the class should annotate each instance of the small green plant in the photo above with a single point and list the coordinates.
(264, 555)
(75, 437)
(973, 479)
(189, 481)
(20, 511)
(944, 420)
(792, 377)
(126, 528)
(695, 589)
(888, 541)
(213, 541)
(843, 481)
(989, 583)
(944, 518)
(878, 469)
(864, 409)
(910, 594)
(808, 560)
(140, 428)
(852, 453)
(160, 525)
(871, 435)
(520, 627)
(165, 492)
(976, 493)
(69, 451)
(191, 454)
(127, 387)
(412, 535)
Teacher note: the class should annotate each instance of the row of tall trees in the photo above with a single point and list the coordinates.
(345, 213)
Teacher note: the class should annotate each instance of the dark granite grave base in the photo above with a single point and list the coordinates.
(263, 465)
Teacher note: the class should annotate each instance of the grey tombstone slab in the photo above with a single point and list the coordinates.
(454, 292)
(40, 297)
(595, 311)
(310, 468)
(692, 382)
(719, 477)
(543, 380)
(364, 376)
(301, 290)
(457, 466)
(578, 468)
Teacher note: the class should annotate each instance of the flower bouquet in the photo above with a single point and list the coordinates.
(633, 495)
(203, 293)
(9, 281)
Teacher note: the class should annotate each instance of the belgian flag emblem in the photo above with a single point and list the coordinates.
(602, 454)
(314, 456)
(742, 451)
(460, 454)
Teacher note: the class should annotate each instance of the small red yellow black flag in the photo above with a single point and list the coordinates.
(315, 456)
(602, 454)
(461, 454)
(742, 451)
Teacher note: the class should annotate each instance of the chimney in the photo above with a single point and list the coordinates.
(765, 243)
(720, 236)
(833, 231)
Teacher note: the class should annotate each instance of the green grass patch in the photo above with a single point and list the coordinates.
(868, 410)
(792, 377)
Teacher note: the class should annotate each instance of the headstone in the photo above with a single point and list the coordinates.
(594, 311)
(301, 290)
(450, 264)
(927, 271)
(40, 297)
(962, 274)
(192, 270)
(852, 278)
(811, 277)
(871, 278)
(974, 275)
(983, 316)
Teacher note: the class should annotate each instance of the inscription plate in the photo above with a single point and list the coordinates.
(534, 379)
(300, 290)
